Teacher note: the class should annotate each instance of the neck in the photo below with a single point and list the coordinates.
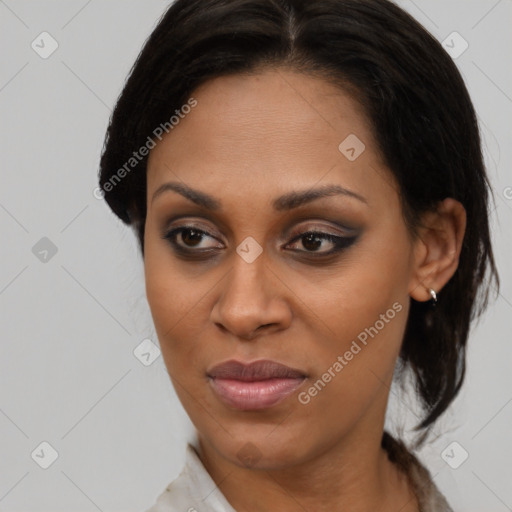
(352, 474)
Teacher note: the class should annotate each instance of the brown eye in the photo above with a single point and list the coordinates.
(191, 241)
(311, 241)
(191, 236)
(184, 237)
(314, 240)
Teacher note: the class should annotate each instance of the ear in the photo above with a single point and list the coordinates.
(437, 248)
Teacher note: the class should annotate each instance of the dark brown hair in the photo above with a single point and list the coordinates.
(412, 93)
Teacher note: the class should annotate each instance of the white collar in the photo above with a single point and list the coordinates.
(193, 490)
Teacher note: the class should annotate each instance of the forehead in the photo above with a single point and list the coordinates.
(271, 128)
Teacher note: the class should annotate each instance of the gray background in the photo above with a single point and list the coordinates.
(70, 322)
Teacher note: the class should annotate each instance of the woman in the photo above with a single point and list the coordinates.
(306, 183)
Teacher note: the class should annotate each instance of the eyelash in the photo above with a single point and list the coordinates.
(340, 242)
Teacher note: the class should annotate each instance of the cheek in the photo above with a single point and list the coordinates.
(171, 293)
(179, 300)
(366, 286)
(167, 306)
(170, 296)
(364, 310)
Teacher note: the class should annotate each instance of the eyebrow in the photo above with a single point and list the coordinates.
(286, 202)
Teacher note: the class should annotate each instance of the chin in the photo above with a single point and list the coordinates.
(262, 447)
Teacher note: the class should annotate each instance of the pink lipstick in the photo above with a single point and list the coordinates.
(254, 386)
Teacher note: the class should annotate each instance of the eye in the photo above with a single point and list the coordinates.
(189, 239)
(312, 241)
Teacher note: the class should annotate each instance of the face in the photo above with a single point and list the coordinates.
(240, 266)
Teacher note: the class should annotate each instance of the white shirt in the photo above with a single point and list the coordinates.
(192, 491)
(195, 491)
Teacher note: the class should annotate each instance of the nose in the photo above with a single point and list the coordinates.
(252, 301)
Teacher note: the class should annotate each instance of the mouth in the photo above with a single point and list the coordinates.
(255, 386)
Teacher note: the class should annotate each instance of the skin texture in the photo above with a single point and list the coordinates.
(250, 139)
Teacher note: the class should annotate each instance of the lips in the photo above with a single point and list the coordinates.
(259, 370)
(254, 386)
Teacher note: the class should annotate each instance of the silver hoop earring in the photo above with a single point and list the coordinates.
(434, 297)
